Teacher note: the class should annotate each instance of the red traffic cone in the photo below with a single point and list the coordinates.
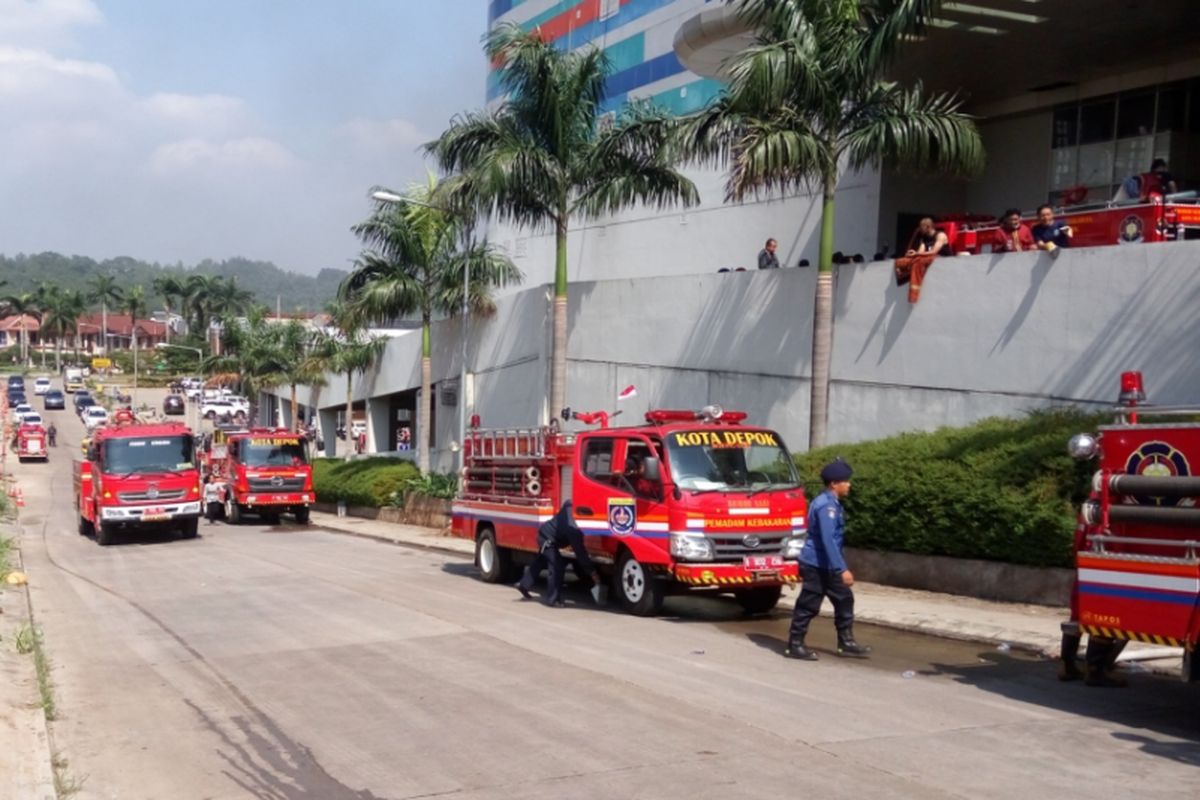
(20, 498)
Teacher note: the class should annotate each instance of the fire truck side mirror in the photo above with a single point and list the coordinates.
(652, 469)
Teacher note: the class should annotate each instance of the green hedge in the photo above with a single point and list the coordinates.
(1000, 490)
(361, 482)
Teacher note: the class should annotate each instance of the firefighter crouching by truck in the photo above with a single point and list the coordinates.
(1137, 545)
(688, 501)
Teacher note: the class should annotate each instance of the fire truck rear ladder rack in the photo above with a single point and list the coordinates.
(514, 444)
(1189, 546)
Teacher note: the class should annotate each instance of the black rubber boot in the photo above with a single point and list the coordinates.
(848, 648)
(797, 650)
(1068, 665)
(1100, 658)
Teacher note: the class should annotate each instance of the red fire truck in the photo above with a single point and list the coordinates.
(31, 443)
(1138, 540)
(1094, 225)
(690, 500)
(137, 476)
(266, 472)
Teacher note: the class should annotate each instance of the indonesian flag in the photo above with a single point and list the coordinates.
(627, 393)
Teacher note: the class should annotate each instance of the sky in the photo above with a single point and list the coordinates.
(179, 130)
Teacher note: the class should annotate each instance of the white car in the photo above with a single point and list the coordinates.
(21, 411)
(41, 386)
(218, 393)
(215, 409)
(94, 417)
(32, 418)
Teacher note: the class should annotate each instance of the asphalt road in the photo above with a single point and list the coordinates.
(294, 664)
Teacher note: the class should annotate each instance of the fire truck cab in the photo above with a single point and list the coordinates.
(1138, 540)
(691, 500)
(267, 472)
(31, 443)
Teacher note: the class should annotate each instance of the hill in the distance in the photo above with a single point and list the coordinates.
(295, 292)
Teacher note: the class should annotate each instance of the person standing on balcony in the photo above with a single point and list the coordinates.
(1013, 235)
(767, 258)
(1049, 233)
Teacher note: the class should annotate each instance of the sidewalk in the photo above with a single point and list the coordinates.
(1025, 627)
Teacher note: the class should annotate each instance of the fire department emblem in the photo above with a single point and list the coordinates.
(622, 515)
(1130, 230)
(276, 481)
(152, 493)
(1158, 460)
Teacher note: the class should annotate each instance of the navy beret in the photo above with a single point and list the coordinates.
(836, 470)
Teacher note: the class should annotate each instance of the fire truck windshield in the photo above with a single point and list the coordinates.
(149, 454)
(729, 460)
(272, 451)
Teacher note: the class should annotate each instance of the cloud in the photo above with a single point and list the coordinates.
(390, 135)
(205, 111)
(45, 21)
(26, 71)
(234, 154)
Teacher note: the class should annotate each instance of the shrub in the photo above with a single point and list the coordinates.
(361, 482)
(999, 490)
(442, 485)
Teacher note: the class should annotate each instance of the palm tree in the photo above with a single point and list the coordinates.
(809, 99)
(348, 351)
(172, 289)
(414, 264)
(24, 305)
(61, 312)
(135, 306)
(249, 353)
(105, 290)
(543, 160)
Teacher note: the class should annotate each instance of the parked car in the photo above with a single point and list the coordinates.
(174, 404)
(15, 398)
(94, 417)
(21, 410)
(54, 399)
(216, 409)
(41, 386)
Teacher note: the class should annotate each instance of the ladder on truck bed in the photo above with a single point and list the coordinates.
(508, 444)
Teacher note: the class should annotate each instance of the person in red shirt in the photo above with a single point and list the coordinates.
(1013, 235)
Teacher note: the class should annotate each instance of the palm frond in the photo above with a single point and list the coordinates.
(905, 129)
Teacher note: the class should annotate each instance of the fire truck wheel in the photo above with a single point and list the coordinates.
(233, 512)
(187, 529)
(302, 515)
(495, 562)
(640, 594)
(86, 528)
(761, 600)
(1191, 666)
(105, 534)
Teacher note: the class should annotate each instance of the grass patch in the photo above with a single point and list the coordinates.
(361, 482)
(998, 490)
(5, 557)
(66, 785)
(29, 640)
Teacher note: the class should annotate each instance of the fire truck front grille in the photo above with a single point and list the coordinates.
(736, 546)
(284, 484)
(159, 497)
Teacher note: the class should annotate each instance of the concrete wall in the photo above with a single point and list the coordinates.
(991, 335)
(1018, 168)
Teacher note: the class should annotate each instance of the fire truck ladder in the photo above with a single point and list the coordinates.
(509, 444)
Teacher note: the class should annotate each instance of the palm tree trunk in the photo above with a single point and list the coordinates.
(822, 352)
(167, 322)
(423, 415)
(295, 417)
(133, 336)
(349, 412)
(24, 342)
(104, 325)
(558, 344)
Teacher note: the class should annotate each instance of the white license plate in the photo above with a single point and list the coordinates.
(758, 563)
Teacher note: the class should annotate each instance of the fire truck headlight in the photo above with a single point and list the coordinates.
(691, 547)
(1083, 447)
(792, 546)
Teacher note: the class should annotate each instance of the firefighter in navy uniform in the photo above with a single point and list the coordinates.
(823, 569)
(554, 534)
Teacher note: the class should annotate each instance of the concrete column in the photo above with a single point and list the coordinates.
(378, 425)
(327, 421)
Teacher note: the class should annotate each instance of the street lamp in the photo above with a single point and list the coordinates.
(385, 196)
(200, 369)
